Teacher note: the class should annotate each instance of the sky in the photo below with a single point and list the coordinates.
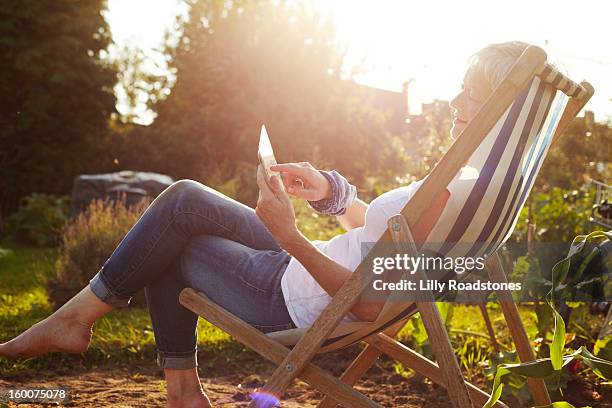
(428, 41)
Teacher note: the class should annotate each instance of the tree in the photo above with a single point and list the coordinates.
(576, 156)
(243, 63)
(57, 95)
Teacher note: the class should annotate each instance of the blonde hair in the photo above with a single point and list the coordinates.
(495, 60)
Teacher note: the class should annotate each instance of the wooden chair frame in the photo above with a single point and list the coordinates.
(297, 361)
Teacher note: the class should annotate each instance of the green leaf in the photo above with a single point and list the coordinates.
(558, 343)
(601, 367)
(543, 368)
(498, 386)
(601, 344)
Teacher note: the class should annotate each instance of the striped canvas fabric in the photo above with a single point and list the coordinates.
(551, 75)
(484, 205)
(485, 198)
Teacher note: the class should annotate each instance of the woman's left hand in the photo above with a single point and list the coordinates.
(274, 208)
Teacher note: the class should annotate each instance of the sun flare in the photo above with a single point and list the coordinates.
(390, 42)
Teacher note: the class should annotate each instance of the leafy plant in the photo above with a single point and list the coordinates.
(552, 367)
(472, 350)
(39, 219)
(585, 270)
(418, 338)
(558, 214)
(515, 384)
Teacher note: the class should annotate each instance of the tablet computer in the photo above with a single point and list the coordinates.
(266, 155)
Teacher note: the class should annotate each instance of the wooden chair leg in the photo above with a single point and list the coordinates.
(487, 320)
(423, 365)
(445, 355)
(360, 365)
(430, 315)
(271, 350)
(517, 329)
(385, 343)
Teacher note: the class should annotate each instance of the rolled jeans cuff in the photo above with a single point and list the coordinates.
(105, 294)
(177, 361)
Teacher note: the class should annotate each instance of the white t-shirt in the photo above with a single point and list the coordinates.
(304, 298)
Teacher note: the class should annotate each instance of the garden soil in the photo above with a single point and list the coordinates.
(143, 386)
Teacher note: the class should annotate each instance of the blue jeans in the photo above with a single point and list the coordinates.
(194, 236)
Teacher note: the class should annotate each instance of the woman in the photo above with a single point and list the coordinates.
(254, 263)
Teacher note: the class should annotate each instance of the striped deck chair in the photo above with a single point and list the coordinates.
(506, 144)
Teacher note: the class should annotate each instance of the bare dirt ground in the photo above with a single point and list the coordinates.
(122, 388)
(142, 385)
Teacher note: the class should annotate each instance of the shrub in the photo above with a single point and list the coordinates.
(558, 214)
(39, 219)
(88, 241)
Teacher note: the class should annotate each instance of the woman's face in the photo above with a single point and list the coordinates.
(474, 92)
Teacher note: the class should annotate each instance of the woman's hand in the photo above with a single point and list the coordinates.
(304, 181)
(274, 208)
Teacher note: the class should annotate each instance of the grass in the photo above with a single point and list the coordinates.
(23, 297)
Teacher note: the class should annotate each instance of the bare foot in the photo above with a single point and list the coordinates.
(56, 333)
(198, 400)
(184, 389)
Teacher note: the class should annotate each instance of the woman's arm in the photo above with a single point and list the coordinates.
(325, 191)
(276, 212)
(354, 216)
(329, 274)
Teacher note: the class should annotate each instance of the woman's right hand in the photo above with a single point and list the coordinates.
(304, 181)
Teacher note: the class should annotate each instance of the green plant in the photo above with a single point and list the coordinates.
(39, 219)
(515, 384)
(472, 350)
(414, 332)
(88, 241)
(552, 368)
(558, 214)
